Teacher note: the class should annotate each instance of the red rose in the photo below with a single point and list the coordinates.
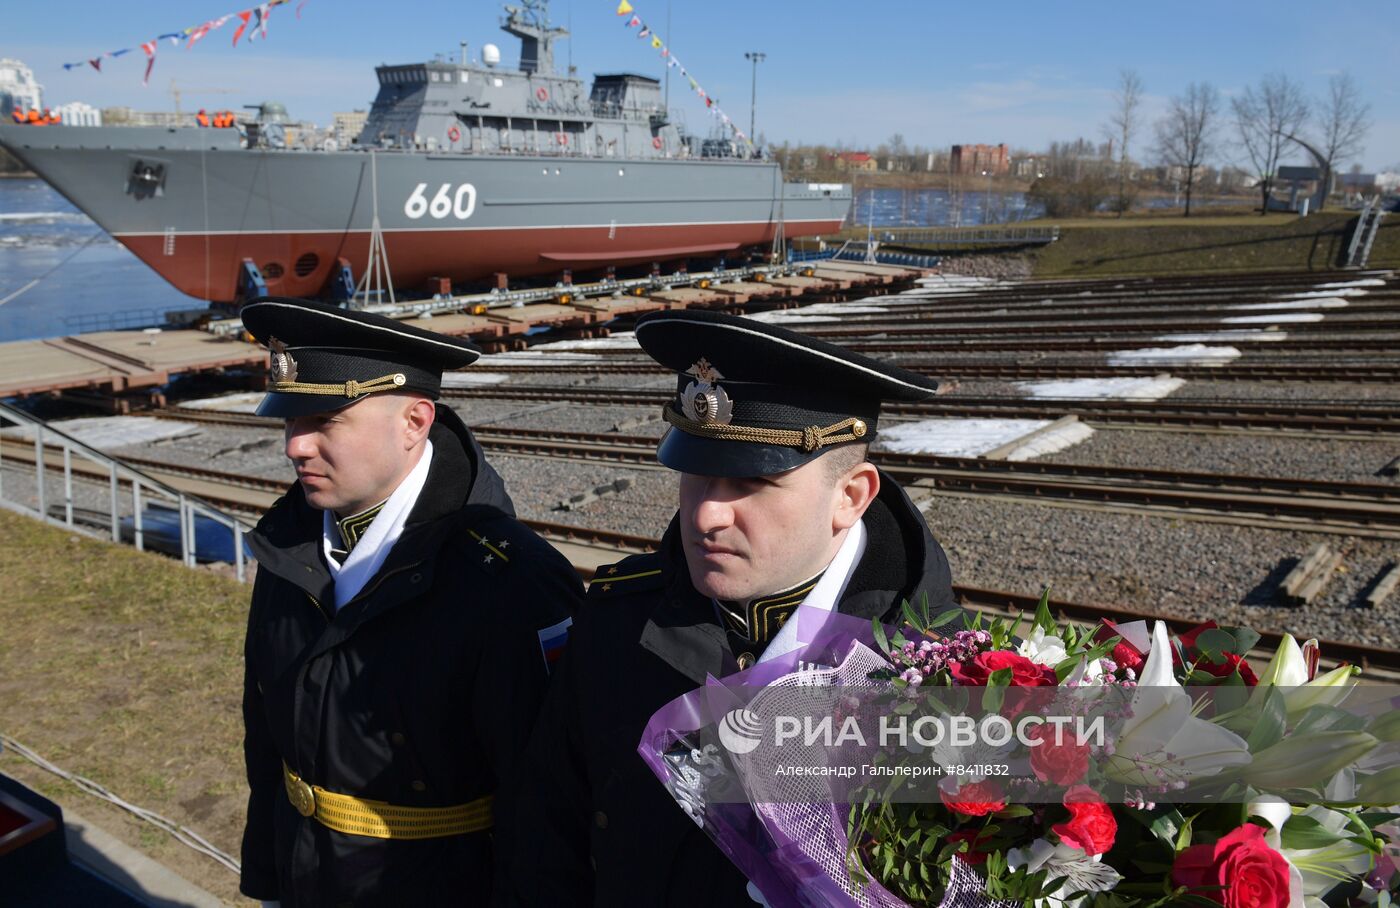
(976, 799)
(1024, 672)
(972, 837)
(1252, 874)
(1228, 668)
(1091, 824)
(1062, 763)
(1124, 653)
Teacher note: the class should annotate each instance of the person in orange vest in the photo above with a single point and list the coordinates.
(57, 118)
(202, 118)
(17, 115)
(34, 117)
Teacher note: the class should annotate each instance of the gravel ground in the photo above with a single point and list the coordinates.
(1255, 455)
(1184, 568)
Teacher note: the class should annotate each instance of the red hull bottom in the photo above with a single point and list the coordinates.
(207, 266)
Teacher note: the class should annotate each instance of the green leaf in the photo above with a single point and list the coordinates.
(1245, 639)
(1305, 832)
(911, 617)
(1043, 619)
(1166, 827)
(881, 639)
(1328, 718)
(951, 615)
(1271, 722)
(1214, 643)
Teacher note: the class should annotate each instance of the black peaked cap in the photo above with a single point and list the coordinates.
(802, 395)
(314, 344)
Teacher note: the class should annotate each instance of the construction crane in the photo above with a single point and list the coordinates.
(176, 92)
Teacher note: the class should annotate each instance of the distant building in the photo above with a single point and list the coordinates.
(77, 113)
(346, 126)
(976, 159)
(1028, 168)
(18, 88)
(853, 160)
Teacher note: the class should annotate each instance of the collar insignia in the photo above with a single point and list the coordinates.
(284, 368)
(704, 401)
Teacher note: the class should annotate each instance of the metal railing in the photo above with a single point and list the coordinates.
(973, 236)
(141, 488)
(1363, 236)
(871, 254)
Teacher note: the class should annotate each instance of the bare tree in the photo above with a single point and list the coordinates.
(1122, 124)
(1186, 135)
(1267, 118)
(1343, 121)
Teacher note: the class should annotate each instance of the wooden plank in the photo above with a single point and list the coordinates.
(1389, 580)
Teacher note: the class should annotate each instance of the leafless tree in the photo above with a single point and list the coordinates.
(1122, 124)
(1266, 117)
(1186, 135)
(1343, 121)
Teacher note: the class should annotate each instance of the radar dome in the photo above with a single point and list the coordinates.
(490, 55)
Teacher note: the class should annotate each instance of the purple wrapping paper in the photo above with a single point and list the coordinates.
(765, 852)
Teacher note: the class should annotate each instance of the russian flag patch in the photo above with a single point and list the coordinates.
(553, 639)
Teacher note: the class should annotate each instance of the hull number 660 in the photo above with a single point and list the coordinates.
(460, 204)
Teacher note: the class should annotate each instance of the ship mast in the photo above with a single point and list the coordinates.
(530, 23)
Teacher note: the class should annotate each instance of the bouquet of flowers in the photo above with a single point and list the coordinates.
(1115, 765)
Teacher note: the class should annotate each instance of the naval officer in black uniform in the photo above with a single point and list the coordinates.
(778, 507)
(401, 627)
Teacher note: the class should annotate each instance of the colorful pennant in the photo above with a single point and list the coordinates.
(253, 21)
(645, 31)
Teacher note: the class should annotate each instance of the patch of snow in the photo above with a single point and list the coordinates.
(1319, 302)
(1228, 334)
(1281, 317)
(1056, 439)
(954, 437)
(1311, 294)
(1363, 282)
(470, 378)
(1185, 355)
(103, 432)
(246, 402)
(1126, 388)
(623, 340)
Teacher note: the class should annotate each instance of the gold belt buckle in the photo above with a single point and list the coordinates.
(301, 795)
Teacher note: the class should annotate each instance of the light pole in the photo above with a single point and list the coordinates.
(757, 57)
(987, 199)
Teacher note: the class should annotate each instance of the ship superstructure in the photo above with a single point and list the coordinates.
(470, 167)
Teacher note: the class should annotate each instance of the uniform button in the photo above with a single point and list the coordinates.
(416, 578)
(418, 785)
(600, 819)
(397, 738)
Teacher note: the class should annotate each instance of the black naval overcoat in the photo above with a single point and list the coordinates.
(421, 691)
(602, 829)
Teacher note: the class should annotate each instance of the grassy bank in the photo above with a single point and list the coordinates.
(1213, 243)
(127, 668)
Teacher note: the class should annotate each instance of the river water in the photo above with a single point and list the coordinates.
(86, 280)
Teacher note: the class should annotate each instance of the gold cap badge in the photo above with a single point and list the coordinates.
(704, 401)
(284, 368)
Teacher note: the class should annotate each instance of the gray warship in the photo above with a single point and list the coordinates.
(470, 169)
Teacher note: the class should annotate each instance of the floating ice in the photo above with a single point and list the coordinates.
(1188, 354)
(1097, 388)
(1281, 317)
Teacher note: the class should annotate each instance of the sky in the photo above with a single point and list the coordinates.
(936, 72)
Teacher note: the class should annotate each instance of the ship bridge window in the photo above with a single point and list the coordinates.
(435, 77)
(464, 77)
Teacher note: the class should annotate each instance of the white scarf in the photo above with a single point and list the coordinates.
(824, 595)
(374, 546)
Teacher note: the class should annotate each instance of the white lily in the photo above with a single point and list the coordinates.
(1313, 872)
(1324, 690)
(1043, 649)
(1163, 742)
(1086, 674)
(1287, 668)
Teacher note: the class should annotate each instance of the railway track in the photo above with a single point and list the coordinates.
(589, 547)
(1329, 420)
(1366, 509)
